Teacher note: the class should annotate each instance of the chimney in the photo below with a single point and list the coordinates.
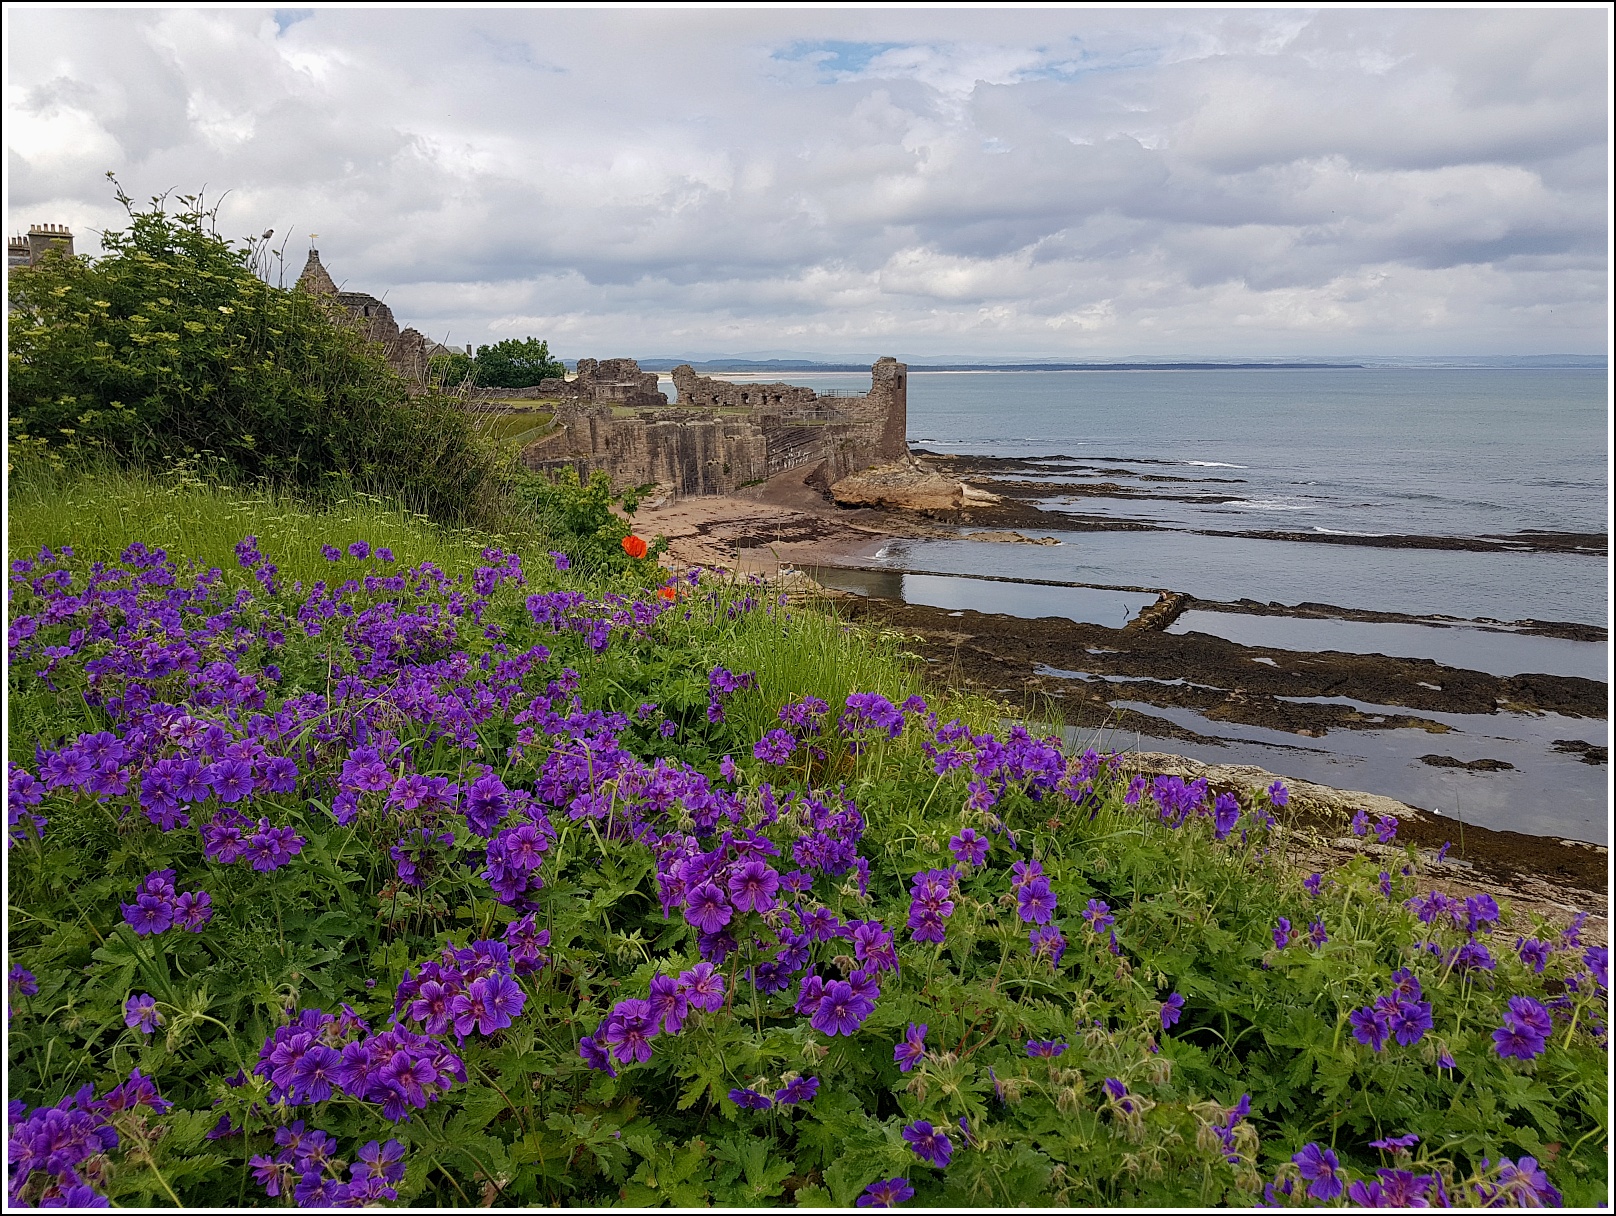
(468, 348)
(43, 237)
(17, 251)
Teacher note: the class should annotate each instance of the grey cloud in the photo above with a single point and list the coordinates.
(1032, 181)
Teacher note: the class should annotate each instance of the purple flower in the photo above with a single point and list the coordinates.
(1318, 1166)
(753, 886)
(1410, 1021)
(1035, 902)
(909, 1052)
(1385, 829)
(930, 1144)
(562, 561)
(192, 910)
(1534, 953)
(969, 847)
(1392, 1143)
(1479, 910)
(149, 914)
(1473, 956)
(1360, 823)
(141, 1011)
(1278, 795)
(1098, 914)
(1312, 883)
(359, 549)
(703, 986)
(775, 747)
(1045, 1048)
(1526, 1029)
(1225, 815)
(1282, 934)
(22, 979)
(888, 1193)
(1047, 942)
(1316, 934)
(629, 1029)
(595, 1056)
(1171, 1011)
(1528, 1184)
(796, 1091)
(840, 1010)
(1370, 1026)
(707, 909)
(749, 1099)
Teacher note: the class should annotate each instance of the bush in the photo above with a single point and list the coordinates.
(579, 516)
(170, 346)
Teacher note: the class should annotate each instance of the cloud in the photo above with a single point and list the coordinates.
(948, 182)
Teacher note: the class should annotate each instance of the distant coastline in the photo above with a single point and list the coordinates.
(743, 366)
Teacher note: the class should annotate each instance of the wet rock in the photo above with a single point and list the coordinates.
(1474, 766)
(1010, 538)
(1169, 606)
(903, 485)
(1588, 753)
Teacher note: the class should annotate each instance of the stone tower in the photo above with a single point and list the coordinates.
(314, 278)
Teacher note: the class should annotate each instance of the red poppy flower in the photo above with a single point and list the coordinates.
(635, 547)
(667, 593)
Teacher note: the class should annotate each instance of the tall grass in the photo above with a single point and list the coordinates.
(99, 512)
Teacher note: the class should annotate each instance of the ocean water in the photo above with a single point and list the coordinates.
(1405, 451)
(1374, 451)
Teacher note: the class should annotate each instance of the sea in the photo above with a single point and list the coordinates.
(1312, 452)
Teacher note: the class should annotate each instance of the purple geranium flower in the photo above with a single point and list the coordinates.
(908, 1053)
(1318, 1166)
(797, 1091)
(708, 910)
(141, 1011)
(1171, 1010)
(888, 1193)
(931, 1144)
(969, 847)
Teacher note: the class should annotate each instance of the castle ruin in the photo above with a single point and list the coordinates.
(720, 435)
(407, 349)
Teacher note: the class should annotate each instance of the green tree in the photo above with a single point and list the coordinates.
(451, 370)
(170, 344)
(516, 364)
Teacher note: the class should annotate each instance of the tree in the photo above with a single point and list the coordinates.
(451, 370)
(516, 364)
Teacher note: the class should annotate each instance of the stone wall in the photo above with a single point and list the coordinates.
(721, 435)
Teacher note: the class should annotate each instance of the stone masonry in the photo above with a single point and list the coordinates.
(720, 435)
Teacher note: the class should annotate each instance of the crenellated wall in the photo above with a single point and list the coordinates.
(721, 435)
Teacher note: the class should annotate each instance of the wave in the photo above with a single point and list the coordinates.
(1345, 532)
(1266, 504)
(1214, 464)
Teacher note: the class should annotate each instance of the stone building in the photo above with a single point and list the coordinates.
(720, 435)
(407, 349)
(27, 250)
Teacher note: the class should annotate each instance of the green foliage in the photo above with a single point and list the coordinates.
(516, 363)
(170, 345)
(452, 370)
(532, 1123)
(580, 518)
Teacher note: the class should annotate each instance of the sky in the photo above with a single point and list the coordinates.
(945, 184)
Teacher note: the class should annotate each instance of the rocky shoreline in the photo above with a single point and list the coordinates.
(1081, 669)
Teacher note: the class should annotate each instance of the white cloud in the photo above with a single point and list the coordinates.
(946, 182)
